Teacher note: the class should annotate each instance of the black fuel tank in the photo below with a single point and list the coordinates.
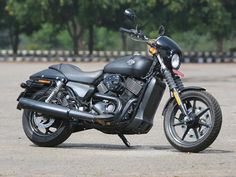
(136, 66)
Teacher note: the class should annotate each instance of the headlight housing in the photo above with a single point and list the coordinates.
(175, 61)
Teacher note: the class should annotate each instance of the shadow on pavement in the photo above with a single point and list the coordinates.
(113, 147)
(216, 151)
(135, 147)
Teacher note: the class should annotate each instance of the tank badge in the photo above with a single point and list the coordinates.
(131, 62)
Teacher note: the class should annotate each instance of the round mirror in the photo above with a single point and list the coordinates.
(130, 14)
(161, 30)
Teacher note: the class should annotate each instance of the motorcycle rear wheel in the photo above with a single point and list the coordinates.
(201, 132)
(43, 130)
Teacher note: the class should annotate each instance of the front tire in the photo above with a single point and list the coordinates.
(43, 130)
(198, 134)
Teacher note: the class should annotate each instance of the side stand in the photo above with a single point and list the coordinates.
(125, 141)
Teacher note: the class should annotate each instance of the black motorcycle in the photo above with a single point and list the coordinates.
(120, 99)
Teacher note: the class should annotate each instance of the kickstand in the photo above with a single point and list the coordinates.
(125, 141)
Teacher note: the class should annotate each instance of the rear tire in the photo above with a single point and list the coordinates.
(44, 130)
(199, 134)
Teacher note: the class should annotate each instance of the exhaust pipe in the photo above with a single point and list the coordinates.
(61, 112)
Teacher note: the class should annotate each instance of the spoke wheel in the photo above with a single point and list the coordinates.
(193, 130)
(205, 124)
(45, 130)
(44, 125)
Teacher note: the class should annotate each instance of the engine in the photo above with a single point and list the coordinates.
(113, 83)
(125, 88)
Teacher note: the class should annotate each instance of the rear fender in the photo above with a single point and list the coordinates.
(40, 80)
(185, 89)
(32, 86)
(50, 74)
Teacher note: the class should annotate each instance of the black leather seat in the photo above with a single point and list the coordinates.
(73, 73)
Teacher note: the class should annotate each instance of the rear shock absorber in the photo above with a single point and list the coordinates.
(54, 91)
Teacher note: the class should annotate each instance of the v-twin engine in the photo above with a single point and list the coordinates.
(124, 88)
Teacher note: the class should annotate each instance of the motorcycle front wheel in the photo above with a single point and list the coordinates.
(43, 130)
(199, 133)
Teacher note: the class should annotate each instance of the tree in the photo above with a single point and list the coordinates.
(64, 14)
(111, 15)
(4, 42)
(89, 16)
(102, 13)
(20, 18)
(213, 18)
(205, 16)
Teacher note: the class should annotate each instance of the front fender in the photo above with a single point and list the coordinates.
(185, 89)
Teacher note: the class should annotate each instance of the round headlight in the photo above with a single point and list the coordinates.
(175, 61)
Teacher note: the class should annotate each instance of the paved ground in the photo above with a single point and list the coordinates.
(92, 153)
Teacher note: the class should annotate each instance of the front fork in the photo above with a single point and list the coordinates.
(173, 88)
(180, 103)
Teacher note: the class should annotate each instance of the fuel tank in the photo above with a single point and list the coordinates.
(135, 65)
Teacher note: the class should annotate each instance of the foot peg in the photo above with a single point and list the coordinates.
(125, 141)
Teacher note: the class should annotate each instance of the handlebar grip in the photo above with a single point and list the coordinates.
(134, 32)
(125, 30)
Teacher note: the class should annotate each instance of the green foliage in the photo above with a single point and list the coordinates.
(25, 13)
(64, 40)
(192, 41)
(47, 38)
(94, 24)
(213, 17)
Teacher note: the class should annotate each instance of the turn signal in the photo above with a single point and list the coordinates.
(153, 51)
(44, 81)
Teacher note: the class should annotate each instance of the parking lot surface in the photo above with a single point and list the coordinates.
(92, 153)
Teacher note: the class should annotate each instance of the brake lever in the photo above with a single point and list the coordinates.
(141, 35)
(135, 34)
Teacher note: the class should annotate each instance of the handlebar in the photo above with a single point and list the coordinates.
(125, 30)
(129, 31)
(135, 33)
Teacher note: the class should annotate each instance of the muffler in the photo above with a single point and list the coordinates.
(61, 112)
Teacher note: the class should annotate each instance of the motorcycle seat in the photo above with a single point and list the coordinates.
(74, 73)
